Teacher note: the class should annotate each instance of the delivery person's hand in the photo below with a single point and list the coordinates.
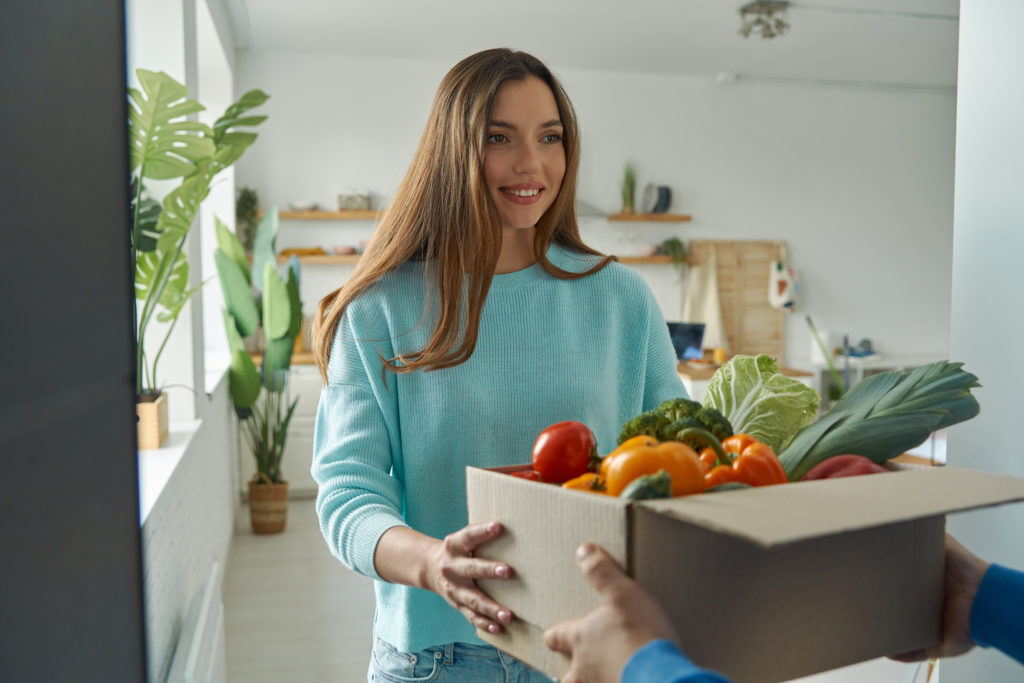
(602, 642)
(452, 571)
(963, 576)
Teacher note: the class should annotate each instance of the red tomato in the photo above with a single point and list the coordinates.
(526, 474)
(564, 451)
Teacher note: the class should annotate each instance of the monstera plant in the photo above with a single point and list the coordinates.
(263, 305)
(165, 144)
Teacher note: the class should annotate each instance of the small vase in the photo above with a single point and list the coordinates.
(268, 505)
(151, 416)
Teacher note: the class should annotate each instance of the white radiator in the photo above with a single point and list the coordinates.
(200, 656)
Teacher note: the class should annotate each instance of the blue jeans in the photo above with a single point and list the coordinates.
(449, 663)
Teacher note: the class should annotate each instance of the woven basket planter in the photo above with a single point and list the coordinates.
(268, 505)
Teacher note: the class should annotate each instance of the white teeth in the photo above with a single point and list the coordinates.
(521, 193)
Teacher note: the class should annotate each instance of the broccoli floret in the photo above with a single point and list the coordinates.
(715, 422)
(676, 409)
(671, 432)
(650, 423)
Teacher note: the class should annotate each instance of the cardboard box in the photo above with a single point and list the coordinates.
(764, 584)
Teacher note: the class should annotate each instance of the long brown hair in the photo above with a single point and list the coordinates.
(443, 214)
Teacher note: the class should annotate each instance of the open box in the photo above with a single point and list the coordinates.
(763, 584)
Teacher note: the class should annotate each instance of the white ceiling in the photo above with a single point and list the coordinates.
(878, 41)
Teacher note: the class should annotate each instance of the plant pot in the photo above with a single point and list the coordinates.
(268, 505)
(151, 415)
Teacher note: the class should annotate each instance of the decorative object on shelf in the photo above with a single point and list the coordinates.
(629, 190)
(258, 394)
(343, 250)
(165, 145)
(766, 18)
(247, 212)
(303, 206)
(358, 200)
(674, 248)
(657, 198)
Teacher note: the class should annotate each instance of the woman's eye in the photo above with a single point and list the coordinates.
(552, 138)
(496, 137)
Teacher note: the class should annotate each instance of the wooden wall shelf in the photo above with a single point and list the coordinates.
(333, 259)
(351, 215)
(651, 217)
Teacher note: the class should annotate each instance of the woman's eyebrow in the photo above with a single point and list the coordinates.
(497, 123)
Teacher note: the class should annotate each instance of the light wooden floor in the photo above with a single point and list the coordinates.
(294, 614)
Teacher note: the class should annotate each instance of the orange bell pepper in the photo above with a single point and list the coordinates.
(632, 460)
(740, 458)
(588, 481)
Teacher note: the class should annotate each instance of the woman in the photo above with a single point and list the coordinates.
(476, 318)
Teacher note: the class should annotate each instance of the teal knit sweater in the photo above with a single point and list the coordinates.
(393, 450)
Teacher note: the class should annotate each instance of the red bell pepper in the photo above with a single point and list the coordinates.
(843, 466)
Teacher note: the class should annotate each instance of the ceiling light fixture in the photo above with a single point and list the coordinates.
(764, 17)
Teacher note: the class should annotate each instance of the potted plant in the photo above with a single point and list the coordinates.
(247, 209)
(166, 145)
(259, 300)
(629, 189)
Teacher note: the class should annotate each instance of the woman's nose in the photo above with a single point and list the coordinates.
(527, 160)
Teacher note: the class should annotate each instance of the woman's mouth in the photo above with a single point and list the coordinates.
(522, 194)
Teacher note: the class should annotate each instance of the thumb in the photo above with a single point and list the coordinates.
(559, 637)
(599, 568)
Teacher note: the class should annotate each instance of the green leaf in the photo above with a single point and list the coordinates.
(235, 341)
(163, 143)
(278, 357)
(229, 244)
(180, 208)
(237, 294)
(294, 302)
(243, 380)
(276, 304)
(150, 269)
(263, 250)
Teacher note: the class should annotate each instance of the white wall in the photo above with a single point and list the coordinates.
(859, 182)
(988, 283)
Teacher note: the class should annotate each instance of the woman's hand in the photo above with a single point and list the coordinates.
(602, 642)
(964, 571)
(451, 571)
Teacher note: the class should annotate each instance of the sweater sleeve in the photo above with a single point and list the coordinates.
(661, 381)
(662, 662)
(354, 444)
(997, 616)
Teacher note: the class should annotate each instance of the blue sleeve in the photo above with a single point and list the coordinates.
(661, 662)
(997, 616)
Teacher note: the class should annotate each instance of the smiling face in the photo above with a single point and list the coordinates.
(525, 160)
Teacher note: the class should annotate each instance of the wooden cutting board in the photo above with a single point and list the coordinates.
(751, 325)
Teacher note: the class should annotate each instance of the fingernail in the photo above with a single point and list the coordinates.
(501, 572)
(494, 628)
(493, 527)
(504, 616)
(584, 550)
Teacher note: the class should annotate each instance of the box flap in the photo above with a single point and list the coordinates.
(777, 515)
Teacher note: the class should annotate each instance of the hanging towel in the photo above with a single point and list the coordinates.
(782, 282)
(702, 304)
